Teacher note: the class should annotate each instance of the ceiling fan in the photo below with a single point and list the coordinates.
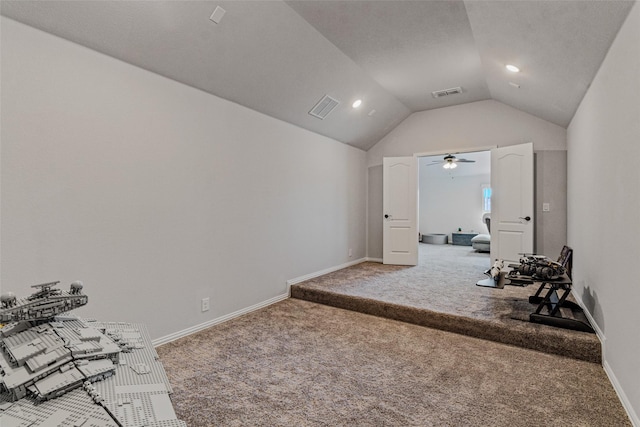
(450, 162)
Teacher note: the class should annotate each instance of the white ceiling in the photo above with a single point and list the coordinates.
(281, 58)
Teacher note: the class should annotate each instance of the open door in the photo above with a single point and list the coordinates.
(512, 202)
(400, 210)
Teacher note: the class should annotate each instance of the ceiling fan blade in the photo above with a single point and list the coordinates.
(464, 161)
(433, 164)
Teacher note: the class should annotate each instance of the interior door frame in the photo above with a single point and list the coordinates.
(442, 152)
(453, 151)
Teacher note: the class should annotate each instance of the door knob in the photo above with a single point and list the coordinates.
(386, 216)
(526, 218)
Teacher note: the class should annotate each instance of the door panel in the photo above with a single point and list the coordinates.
(512, 221)
(399, 177)
(400, 201)
(510, 243)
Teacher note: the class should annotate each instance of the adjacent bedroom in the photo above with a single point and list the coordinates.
(454, 205)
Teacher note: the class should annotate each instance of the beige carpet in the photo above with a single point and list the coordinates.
(441, 293)
(298, 363)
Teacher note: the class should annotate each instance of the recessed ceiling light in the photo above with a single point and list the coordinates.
(357, 103)
(512, 68)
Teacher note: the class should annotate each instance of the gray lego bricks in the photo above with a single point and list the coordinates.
(57, 369)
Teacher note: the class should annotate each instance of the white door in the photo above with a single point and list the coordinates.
(511, 202)
(400, 210)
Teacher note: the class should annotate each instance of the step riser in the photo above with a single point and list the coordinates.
(590, 352)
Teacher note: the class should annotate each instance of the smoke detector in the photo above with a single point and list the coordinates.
(446, 92)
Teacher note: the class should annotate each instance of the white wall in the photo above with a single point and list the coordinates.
(477, 125)
(603, 207)
(156, 194)
(450, 200)
(551, 188)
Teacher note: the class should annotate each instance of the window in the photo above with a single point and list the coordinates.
(486, 198)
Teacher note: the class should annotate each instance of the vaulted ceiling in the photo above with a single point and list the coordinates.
(280, 58)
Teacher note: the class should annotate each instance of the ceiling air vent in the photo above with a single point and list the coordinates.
(446, 92)
(324, 107)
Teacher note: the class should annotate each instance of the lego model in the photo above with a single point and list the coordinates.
(41, 305)
(538, 267)
(531, 268)
(57, 369)
(494, 271)
(554, 286)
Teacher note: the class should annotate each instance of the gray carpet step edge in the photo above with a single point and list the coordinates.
(536, 338)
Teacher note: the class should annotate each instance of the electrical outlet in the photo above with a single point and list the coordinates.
(350, 252)
(545, 207)
(205, 304)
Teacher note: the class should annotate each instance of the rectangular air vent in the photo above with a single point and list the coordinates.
(446, 92)
(324, 107)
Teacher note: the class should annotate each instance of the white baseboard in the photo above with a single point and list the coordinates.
(323, 272)
(374, 260)
(626, 404)
(174, 336)
(591, 320)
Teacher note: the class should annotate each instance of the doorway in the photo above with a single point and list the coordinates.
(454, 195)
(511, 203)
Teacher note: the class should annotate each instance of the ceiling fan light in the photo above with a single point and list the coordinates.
(512, 68)
(446, 165)
(452, 165)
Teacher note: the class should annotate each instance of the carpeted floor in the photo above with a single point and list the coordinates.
(441, 293)
(297, 363)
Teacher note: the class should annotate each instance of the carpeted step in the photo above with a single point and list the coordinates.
(440, 292)
(520, 332)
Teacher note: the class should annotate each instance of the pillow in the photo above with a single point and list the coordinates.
(481, 242)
